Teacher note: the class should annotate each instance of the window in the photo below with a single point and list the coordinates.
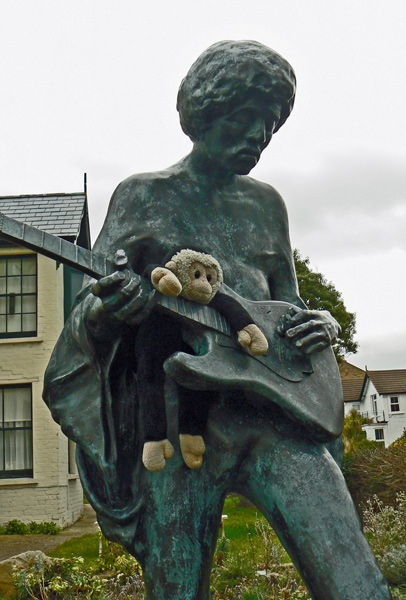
(72, 468)
(15, 431)
(379, 436)
(374, 404)
(18, 296)
(394, 404)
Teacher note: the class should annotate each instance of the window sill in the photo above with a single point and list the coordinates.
(72, 476)
(21, 340)
(397, 412)
(18, 481)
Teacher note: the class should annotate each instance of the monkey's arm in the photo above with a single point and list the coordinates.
(163, 280)
(249, 335)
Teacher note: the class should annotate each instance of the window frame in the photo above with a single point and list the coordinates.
(19, 334)
(379, 439)
(396, 403)
(15, 473)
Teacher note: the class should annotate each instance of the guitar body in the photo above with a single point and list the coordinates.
(308, 390)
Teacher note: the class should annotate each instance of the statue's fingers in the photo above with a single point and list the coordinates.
(121, 296)
(302, 329)
(313, 342)
(302, 316)
(137, 306)
(107, 284)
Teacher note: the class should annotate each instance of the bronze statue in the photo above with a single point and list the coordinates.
(267, 445)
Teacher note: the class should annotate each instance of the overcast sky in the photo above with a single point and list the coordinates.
(90, 86)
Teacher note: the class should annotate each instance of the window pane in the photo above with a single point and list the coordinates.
(14, 304)
(29, 323)
(2, 285)
(14, 285)
(14, 266)
(2, 305)
(18, 450)
(2, 267)
(29, 304)
(29, 265)
(14, 323)
(29, 284)
(1, 450)
(3, 324)
(17, 404)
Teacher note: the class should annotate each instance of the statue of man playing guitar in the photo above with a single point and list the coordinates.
(234, 98)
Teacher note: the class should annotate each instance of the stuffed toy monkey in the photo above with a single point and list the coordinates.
(198, 277)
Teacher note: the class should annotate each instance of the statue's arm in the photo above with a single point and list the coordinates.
(310, 330)
(122, 298)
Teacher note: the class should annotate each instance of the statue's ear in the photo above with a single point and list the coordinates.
(172, 266)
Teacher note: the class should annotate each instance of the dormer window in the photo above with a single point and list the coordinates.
(18, 296)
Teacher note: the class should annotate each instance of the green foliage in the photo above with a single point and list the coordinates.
(401, 441)
(354, 438)
(385, 527)
(320, 294)
(67, 579)
(16, 527)
(376, 472)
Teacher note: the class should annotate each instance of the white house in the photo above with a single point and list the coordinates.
(383, 402)
(38, 476)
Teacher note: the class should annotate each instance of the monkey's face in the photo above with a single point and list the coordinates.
(200, 282)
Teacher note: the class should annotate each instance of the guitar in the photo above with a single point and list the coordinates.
(308, 390)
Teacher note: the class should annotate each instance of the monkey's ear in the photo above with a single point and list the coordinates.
(172, 266)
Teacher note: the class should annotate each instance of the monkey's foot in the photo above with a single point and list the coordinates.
(192, 448)
(155, 454)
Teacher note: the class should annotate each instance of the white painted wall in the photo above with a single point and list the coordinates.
(392, 423)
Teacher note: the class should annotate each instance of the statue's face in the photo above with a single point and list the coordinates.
(234, 142)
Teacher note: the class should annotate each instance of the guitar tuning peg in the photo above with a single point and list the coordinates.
(120, 259)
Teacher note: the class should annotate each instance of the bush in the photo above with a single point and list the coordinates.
(385, 527)
(66, 578)
(378, 472)
(16, 527)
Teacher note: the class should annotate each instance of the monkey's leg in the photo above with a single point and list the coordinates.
(193, 415)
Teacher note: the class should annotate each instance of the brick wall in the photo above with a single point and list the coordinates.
(52, 494)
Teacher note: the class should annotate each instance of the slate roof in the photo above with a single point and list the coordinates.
(352, 389)
(389, 382)
(59, 214)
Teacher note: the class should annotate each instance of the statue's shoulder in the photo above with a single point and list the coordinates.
(265, 195)
(143, 184)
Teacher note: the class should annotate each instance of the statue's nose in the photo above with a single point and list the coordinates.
(257, 130)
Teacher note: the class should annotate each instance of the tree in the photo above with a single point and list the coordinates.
(354, 438)
(320, 294)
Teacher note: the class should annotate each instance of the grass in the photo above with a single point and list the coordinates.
(86, 546)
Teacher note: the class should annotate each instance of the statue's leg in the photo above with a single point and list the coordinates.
(180, 529)
(301, 491)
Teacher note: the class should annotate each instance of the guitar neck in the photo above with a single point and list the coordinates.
(98, 266)
(55, 247)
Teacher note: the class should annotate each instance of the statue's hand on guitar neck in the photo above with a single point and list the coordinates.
(122, 297)
(310, 330)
